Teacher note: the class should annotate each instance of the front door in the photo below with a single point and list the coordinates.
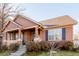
(23, 38)
(32, 35)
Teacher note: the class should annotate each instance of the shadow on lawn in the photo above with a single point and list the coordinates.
(37, 53)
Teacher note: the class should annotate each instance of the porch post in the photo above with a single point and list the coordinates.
(8, 41)
(37, 38)
(19, 34)
(36, 31)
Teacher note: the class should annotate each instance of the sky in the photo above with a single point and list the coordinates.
(43, 11)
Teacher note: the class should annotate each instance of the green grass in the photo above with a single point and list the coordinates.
(67, 53)
(36, 53)
(59, 53)
(4, 53)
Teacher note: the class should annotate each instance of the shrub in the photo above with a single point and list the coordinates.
(29, 46)
(76, 49)
(40, 46)
(63, 45)
(4, 48)
(0, 42)
(13, 47)
(36, 47)
(69, 45)
(45, 46)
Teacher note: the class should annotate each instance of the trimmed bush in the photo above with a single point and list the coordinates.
(13, 47)
(4, 48)
(63, 45)
(29, 46)
(36, 47)
(45, 46)
(40, 46)
(69, 45)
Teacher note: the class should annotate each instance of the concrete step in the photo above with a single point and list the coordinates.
(20, 51)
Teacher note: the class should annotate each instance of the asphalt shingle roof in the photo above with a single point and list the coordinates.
(60, 21)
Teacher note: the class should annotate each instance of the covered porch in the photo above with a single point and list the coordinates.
(24, 34)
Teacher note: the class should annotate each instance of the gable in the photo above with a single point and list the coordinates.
(10, 26)
(24, 22)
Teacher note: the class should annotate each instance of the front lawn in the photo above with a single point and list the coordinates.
(5, 53)
(59, 53)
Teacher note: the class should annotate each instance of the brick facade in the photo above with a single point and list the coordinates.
(69, 33)
(25, 23)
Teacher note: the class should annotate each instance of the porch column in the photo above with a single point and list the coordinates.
(37, 38)
(36, 31)
(19, 34)
(8, 41)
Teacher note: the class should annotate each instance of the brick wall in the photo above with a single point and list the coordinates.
(69, 33)
(42, 35)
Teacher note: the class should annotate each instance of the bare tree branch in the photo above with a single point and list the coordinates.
(8, 10)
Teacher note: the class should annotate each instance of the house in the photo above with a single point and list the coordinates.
(25, 29)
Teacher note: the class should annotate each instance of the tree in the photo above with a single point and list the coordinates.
(7, 11)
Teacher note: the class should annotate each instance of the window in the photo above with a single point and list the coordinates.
(55, 34)
(16, 36)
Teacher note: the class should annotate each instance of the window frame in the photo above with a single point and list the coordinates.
(53, 35)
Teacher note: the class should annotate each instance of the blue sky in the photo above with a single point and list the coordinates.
(42, 11)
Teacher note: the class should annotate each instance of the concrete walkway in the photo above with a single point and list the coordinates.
(20, 51)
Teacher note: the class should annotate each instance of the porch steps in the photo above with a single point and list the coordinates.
(20, 51)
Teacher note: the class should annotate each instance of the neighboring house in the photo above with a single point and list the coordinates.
(26, 29)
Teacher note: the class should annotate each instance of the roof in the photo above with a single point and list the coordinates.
(15, 23)
(59, 21)
(18, 24)
(28, 19)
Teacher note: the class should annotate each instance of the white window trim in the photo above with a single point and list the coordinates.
(54, 35)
